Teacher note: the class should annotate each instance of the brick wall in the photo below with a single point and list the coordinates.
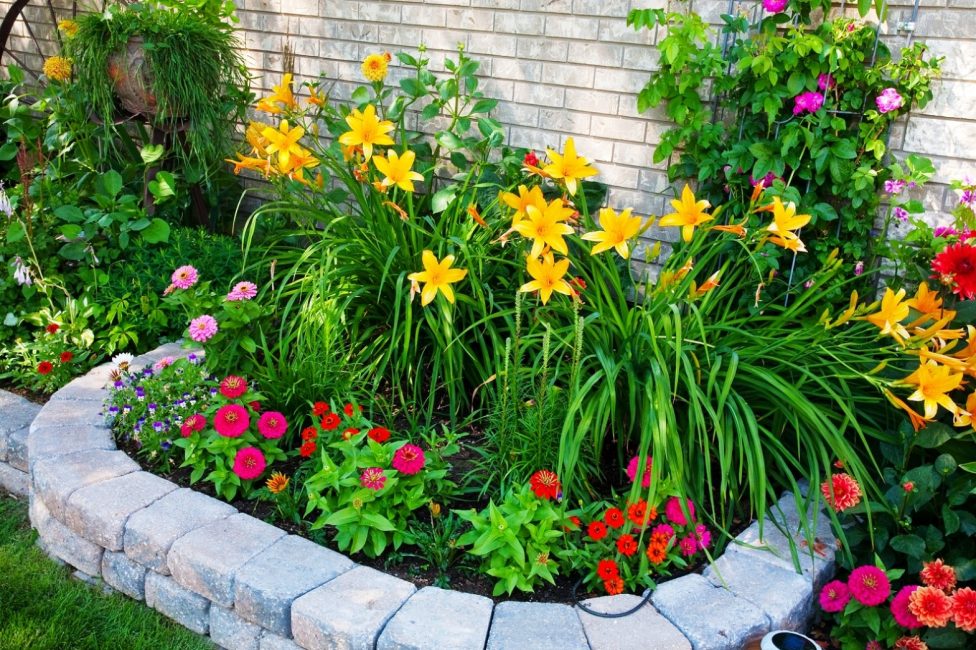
(572, 68)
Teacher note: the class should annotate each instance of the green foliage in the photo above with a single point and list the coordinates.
(370, 519)
(197, 73)
(436, 543)
(517, 540)
(833, 155)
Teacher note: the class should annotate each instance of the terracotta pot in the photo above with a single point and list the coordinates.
(132, 78)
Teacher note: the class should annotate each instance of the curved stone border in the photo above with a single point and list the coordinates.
(251, 586)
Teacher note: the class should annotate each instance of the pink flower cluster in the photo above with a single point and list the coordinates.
(808, 102)
(774, 6)
(203, 328)
(242, 291)
(645, 475)
(889, 100)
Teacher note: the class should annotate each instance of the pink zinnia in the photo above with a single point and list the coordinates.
(841, 492)
(674, 513)
(808, 102)
(184, 277)
(202, 328)
(232, 420)
(233, 386)
(869, 585)
(703, 536)
(645, 475)
(688, 545)
(663, 529)
(774, 6)
(834, 597)
(899, 608)
(826, 82)
(249, 463)
(889, 100)
(372, 478)
(165, 362)
(408, 459)
(242, 291)
(272, 424)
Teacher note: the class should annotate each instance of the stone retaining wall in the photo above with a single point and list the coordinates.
(249, 585)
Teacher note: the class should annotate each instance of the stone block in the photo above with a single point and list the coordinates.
(13, 480)
(150, 533)
(785, 596)
(17, 413)
(272, 641)
(230, 631)
(123, 574)
(15, 448)
(711, 618)
(68, 414)
(48, 441)
(540, 626)
(90, 387)
(207, 559)
(266, 586)
(438, 619)
(349, 612)
(56, 479)
(631, 632)
(190, 610)
(99, 512)
(64, 544)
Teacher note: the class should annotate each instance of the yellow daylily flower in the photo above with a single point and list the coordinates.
(68, 27)
(254, 137)
(315, 98)
(568, 166)
(437, 276)
(282, 92)
(255, 164)
(367, 130)
(521, 201)
(545, 227)
(688, 214)
(396, 169)
(283, 141)
(617, 230)
(547, 276)
(934, 382)
(918, 422)
(785, 221)
(893, 312)
(298, 163)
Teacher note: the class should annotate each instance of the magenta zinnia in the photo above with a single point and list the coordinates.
(184, 277)
(373, 478)
(272, 425)
(233, 386)
(232, 420)
(249, 463)
(869, 585)
(203, 328)
(674, 512)
(834, 597)
(900, 611)
(645, 475)
(408, 459)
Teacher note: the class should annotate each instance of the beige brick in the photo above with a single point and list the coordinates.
(602, 7)
(542, 48)
(574, 27)
(637, 155)
(598, 54)
(519, 23)
(615, 30)
(357, 32)
(476, 19)
(493, 44)
(559, 119)
(628, 81)
(407, 38)
(264, 5)
(618, 128)
(517, 114)
(496, 4)
(591, 100)
(548, 6)
(593, 149)
(301, 7)
(439, 39)
(540, 94)
(959, 56)
(567, 75)
(502, 89)
(952, 99)
(424, 15)
(641, 57)
(535, 139)
(343, 9)
(343, 50)
(934, 136)
(381, 12)
(517, 69)
(653, 181)
(946, 23)
(619, 176)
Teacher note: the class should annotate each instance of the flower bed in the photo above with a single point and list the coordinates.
(242, 581)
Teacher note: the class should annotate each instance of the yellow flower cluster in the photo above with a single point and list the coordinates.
(375, 66)
(946, 357)
(68, 27)
(57, 68)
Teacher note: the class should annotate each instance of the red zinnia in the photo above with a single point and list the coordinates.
(67, 356)
(627, 545)
(607, 569)
(841, 492)
(45, 367)
(545, 484)
(319, 409)
(309, 433)
(956, 267)
(638, 513)
(614, 586)
(349, 410)
(575, 523)
(931, 606)
(597, 530)
(911, 643)
(939, 575)
(349, 433)
(52, 328)
(964, 609)
(614, 517)
(232, 420)
(379, 434)
(308, 448)
(233, 386)
(255, 406)
(531, 159)
(330, 422)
